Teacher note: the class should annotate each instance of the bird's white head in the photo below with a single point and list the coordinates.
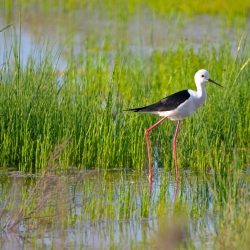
(202, 76)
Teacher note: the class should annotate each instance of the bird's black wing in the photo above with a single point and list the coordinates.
(168, 103)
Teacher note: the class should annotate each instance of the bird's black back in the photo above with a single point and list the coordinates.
(168, 103)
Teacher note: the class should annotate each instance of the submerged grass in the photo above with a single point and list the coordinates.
(117, 208)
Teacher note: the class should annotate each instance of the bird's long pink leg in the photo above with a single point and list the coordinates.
(148, 146)
(174, 148)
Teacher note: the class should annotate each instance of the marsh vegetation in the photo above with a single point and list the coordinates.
(74, 164)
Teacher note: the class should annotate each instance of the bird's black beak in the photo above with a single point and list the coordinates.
(210, 80)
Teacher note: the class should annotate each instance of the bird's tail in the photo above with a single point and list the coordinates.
(134, 109)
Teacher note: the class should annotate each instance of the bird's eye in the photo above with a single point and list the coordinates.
(202, 76)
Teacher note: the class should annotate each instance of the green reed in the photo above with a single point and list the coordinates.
(41, 107)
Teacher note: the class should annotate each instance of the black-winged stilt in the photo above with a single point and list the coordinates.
(177, 107)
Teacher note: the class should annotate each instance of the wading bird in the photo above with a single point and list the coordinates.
(177, 107)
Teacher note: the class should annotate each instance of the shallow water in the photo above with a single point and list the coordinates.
(98, 31)
(108, 209)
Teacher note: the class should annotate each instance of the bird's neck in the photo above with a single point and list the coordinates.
(201, 93)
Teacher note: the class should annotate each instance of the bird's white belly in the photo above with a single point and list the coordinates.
(182, 111)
